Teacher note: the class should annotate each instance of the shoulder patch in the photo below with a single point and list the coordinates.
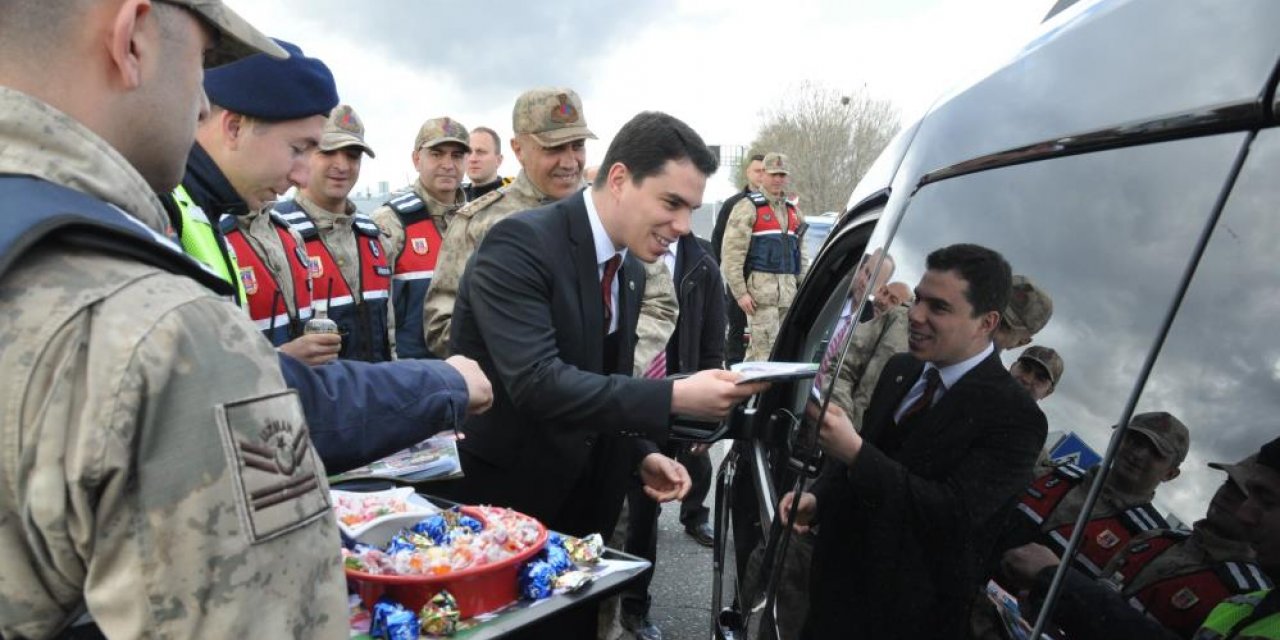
(363, 224)
(469, 209)
(407, 202)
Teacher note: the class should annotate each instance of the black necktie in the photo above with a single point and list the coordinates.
(932, 382)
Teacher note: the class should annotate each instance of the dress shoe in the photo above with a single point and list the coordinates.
(701, 533)
(641, 627)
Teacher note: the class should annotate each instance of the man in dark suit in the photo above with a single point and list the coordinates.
(909, 508)
(549, 315)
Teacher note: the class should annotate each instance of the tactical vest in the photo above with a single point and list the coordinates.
(414, 269)
(266, 304)
(200, 242)
(35, 209)
(774, 249)
(362, 323)
(1241, 617)
(1103, 537)
(1182, 602)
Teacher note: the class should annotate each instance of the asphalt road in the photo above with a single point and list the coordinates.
(681, 587)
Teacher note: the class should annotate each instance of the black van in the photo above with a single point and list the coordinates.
(1126, 160)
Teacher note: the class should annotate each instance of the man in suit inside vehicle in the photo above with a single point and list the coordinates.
(546, 310)
(910, 505)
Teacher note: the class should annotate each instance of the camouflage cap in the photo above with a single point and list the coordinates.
(239, 38)
(437, 131)
(1047, 358)
(1029, 306)
(775, 162)
(552, 116)
(1167, 432)
(344, 129)
(1240, 472)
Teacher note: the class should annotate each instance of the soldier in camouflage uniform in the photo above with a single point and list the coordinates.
(158, 474)
(353, 281)
(1178, 577)
(1038, 369)
(416, 222)
(1028, 312)
(551, 131)
(1154, 447)
(763, 256)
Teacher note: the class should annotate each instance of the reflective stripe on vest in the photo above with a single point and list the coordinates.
(1182, 602)
(364, 322)
(415, 267)
(1103, 537)
(774, 248)
(199, 241)
(262, 287)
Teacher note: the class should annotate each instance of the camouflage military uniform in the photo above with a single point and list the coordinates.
(771, 292)
(442, 214)
(873, 343)
(460, 241)
(157, 470)
(340, 239)
(260, 233)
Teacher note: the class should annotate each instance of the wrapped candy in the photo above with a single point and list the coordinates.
(440, 616)
(573, 581)
(471, 523)
(434, 527)
(536, 581)
(398, 544)
(585, 550)
(557, 557)
(391, 621)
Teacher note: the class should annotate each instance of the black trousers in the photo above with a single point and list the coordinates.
(735, 348)
(642, 522)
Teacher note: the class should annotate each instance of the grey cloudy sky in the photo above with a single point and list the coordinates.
(714, 63)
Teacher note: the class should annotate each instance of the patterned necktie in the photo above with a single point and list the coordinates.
(933, 382)
(827, 367)
(606, 288)
(658, 366)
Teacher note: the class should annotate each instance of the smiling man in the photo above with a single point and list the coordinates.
(549, 308)
(350, 275)
(910, 506)
(415, 222)
(550, 143)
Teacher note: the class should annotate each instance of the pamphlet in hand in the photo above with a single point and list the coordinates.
(435, 458)
(774, 371)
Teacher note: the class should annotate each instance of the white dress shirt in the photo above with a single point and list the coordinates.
(604, 251)
(950, 375)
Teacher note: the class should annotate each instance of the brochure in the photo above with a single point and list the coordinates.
(435, 458)
(757, 371)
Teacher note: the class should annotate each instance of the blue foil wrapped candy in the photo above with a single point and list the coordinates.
(536, 581)
(434, 527)
(557, 558)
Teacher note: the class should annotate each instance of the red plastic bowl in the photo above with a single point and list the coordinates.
(477, 589)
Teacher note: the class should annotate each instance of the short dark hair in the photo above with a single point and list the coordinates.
(648, 141)
(497, 142)
(986, 271)
(756, 157)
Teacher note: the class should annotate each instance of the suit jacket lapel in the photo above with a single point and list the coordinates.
(591, 303)
(630, 279)
(896, 381)
(939, 417)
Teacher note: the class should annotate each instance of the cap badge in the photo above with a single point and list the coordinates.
(564, 113)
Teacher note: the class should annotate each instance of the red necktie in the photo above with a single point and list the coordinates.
(658, 367)
(606, 288)
(932, 382)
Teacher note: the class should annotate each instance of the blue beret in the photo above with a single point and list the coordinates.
(263, 87)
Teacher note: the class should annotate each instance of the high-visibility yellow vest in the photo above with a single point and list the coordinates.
(199, 241)
(1223, 619)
